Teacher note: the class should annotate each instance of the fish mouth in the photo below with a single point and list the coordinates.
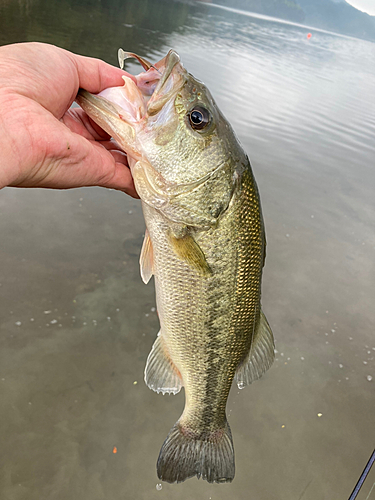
(155, 81)
(120, 110)
(164, 92)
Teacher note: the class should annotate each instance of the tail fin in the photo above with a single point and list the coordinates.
(185, 455)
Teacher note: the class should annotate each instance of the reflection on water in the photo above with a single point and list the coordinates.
(78, 323)
(94, 27)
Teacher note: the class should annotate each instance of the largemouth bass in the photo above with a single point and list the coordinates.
(205, 245)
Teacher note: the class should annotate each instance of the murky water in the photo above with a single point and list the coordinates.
(77, 323)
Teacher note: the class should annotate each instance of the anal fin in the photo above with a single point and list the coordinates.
(260, 357)
(161, 375)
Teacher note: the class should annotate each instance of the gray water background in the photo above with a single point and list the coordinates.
(77, 322)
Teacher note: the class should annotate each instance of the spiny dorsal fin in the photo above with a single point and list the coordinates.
(161, 375)
(260, 357)
(146, 259)
(188, 250)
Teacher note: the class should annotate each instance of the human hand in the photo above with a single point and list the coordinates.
(43, 143)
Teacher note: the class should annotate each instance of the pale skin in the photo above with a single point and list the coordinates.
(44, 143)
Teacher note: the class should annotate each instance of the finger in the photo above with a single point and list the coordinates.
(123, 181)
(79, 122)
(99, 167)
(119, 156)
(121, 178)
(96, 75)
(112, 145)
(114, 173)
(70, 160)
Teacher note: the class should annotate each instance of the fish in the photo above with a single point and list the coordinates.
(204, 244)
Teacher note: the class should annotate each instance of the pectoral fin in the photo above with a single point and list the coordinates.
(161, 375)
(260, 357)
(146, 259)
(188, 250)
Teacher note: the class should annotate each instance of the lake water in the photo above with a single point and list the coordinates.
(77, 322)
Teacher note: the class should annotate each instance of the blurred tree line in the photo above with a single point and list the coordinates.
(99, 27)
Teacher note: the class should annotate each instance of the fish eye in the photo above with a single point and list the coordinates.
(199, 118)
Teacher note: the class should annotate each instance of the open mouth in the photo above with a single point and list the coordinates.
(118, 110)
(157, 82)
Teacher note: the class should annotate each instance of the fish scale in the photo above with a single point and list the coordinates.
(205, 245)
(210, 311)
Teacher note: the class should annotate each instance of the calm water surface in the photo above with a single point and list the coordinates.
(77, 323)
